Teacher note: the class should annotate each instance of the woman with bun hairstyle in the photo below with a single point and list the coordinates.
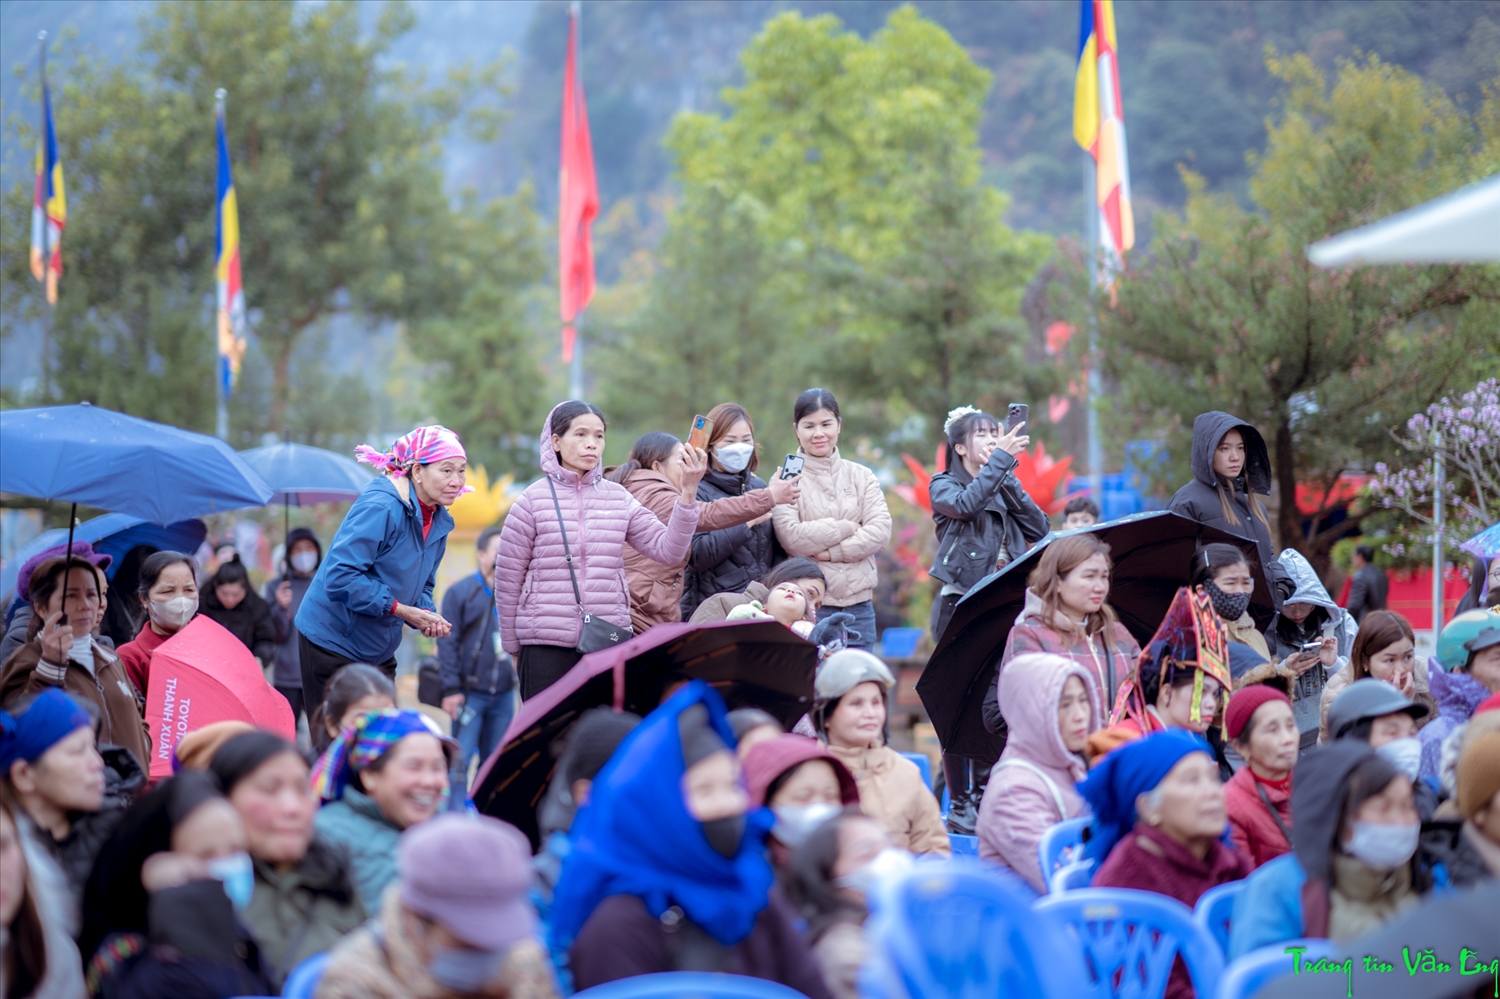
(840, 518)
(570, 528)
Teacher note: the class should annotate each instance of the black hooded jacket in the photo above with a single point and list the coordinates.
(727, 560)
(288, 668)
(1200, 498)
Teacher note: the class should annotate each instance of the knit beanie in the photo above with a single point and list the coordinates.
(1479, 773)
(1243, 704)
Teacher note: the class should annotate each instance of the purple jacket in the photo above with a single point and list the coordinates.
(533, 592)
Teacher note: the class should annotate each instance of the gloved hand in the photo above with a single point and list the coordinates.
(835, 627)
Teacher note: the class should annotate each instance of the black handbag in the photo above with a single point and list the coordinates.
(596, 633)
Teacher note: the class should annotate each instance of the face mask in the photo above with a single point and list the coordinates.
(173, 614)
(724, 835)
(462, 970)
(1384, 847)
(884, 867)
(794, 823)
(238, 877)
(1229, 606)
(305, 562)
(82, 652)
(734, 457)
(1404, 754)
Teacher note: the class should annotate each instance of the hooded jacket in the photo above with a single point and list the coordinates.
(730, 559)
(378, 558)
(1199, 499)
(287, 671)
(1033, 786)
(1457, 695)
(656, 588)
(249, 621)
(533, 587)
(1285, 638)
(107, 686)
(892, 792)
(842, 521)
(976, 515)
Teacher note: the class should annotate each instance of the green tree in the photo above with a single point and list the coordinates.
(1227, 313)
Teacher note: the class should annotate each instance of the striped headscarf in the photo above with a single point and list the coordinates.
(422, 446)
(370, 737)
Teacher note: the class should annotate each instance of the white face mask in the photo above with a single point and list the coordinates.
(1404, 754)
(173, 614)
(305, 562)
(886, 866)
(734, 457)
(1384, 847)
(794, 823)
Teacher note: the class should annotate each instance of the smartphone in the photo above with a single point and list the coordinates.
(792, 466)
(1016, 414)
(698, 436)
(1311, 647)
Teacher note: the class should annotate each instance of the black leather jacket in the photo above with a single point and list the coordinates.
(974, 515)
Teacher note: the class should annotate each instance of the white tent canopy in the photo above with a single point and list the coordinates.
(1458, 228)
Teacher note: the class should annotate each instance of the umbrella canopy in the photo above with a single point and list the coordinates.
(85, 454)
(111, 534)
(1457, 228)
(302, 475)
(1485, 544)
(757, 664)
(1151, 552)
(202, 675)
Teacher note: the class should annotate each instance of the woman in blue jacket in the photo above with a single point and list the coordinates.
(382, 565)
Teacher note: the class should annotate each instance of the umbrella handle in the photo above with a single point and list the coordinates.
(619, 672)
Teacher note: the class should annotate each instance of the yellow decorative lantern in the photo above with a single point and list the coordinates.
(485, 505)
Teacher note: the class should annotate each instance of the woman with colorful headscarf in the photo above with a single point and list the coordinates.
(383, 774)
(382, 565)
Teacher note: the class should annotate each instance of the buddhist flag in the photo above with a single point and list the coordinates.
(49, 206)
(1099, 127)
(231, 294)
(578, 197)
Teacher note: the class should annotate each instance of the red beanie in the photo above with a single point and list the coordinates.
(1243, 704)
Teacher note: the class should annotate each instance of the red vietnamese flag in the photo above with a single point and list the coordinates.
(578, 197)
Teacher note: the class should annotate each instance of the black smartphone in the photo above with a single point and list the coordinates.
(792, 466)
(1016, 414)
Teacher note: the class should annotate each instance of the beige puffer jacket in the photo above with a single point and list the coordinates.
(892, 792)
(841, 521)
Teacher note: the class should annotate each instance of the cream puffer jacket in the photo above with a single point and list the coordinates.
(841, 520)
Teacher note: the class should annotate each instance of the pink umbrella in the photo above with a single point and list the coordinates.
(202, 675)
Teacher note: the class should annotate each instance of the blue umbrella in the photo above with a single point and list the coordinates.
(111, 534)
(1485, 544)
(301, 475)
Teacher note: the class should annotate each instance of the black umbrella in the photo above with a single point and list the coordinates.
(752, 664)
(1151, 553)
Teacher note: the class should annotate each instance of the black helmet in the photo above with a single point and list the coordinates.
(1368, 698)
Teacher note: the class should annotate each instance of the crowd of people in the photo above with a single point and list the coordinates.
(1317, 760)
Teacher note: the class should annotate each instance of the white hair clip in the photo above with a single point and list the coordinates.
(956, 414)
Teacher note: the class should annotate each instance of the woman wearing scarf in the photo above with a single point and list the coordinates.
(383, 774)
(1260, 724)
(668, 871)
(1159, 824)
(382, 565)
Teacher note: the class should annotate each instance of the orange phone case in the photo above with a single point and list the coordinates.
(698, 436)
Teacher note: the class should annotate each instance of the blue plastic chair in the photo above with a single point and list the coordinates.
(1214, 911)
(690, 985)
(303, 980)
(953, 930)
(1071, 877)
(1130, 940)
(1252, 972)
(1061, 844)
(923, 764)
(964, 846)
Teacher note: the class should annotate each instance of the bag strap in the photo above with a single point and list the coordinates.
(1266, 799)
(1057, 798)
(562, 529)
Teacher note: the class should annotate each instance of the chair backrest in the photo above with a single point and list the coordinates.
(690, 985)
(923, 764)
(1214, 909)
(303, 980)
(1130, 940)
(1061, 844)
(1071, 877)
(954, 930)
(964, 846)
(1248, 974)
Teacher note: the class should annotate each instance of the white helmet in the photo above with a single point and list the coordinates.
(841, 673)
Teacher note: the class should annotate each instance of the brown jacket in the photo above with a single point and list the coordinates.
(892, 792)
(656, 588)
(718, 606)
(842, 521)
(108, 687)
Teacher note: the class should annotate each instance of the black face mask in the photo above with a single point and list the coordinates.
(1229, 606)
(724, 835)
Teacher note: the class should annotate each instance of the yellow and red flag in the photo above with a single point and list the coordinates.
(231, 294)
(578, 197)
(1099, 127)
(49, 206)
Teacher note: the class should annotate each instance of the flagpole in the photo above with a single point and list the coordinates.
(221, 405)
(575, 366)
(1091, 235)
(41, 37)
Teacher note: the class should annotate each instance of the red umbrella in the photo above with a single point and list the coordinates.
(202, 675)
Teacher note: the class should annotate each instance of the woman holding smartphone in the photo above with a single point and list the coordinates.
(840, 519)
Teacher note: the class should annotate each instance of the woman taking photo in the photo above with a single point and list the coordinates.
(1384, 648)
(730, 559)
(168, 593)
(382, 565)
(840, 519)
(560, 581)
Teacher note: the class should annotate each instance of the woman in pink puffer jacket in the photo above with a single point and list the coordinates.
(540, 620)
